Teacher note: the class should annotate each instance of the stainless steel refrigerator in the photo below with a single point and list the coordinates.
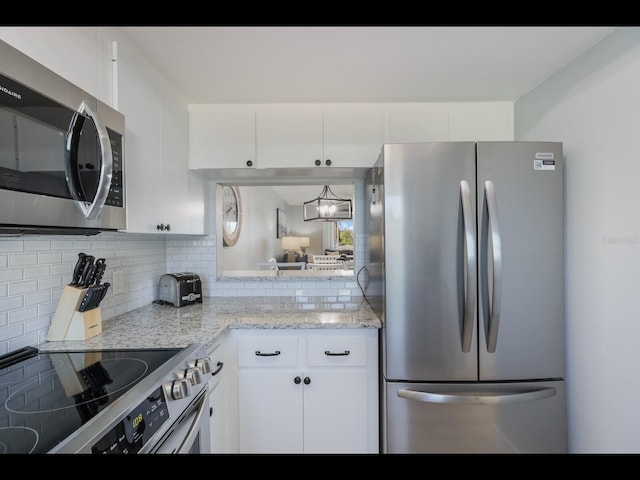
(466, 271)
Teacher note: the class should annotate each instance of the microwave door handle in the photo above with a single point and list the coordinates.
(93, 209)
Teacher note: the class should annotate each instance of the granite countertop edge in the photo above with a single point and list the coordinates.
(165, 326)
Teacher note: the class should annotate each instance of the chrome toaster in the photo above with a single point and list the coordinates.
(180, 289)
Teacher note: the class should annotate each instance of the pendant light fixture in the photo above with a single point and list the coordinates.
(327, 207)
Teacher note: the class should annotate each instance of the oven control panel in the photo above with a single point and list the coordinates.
(136, 428)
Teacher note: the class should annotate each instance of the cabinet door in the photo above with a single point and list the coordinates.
(156, 153)
(174, 196)
(335, 411)
(140, 100)
(270, 411)
(222, 136)
(353, 135)
(288, 136)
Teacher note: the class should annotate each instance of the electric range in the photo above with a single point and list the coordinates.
(101, 401)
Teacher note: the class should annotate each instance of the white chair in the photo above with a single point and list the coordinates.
(325, 262)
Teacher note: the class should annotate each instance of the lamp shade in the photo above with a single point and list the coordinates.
(290, 243)
(327, 207)
(305, 242)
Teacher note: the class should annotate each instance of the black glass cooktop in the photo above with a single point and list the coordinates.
(47, 396)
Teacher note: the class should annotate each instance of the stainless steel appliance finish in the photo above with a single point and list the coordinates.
(180, 289)
(166, 412)
(61, 153)
(467, 274)
(112, 401)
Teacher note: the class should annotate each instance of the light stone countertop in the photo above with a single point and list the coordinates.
(165, 326)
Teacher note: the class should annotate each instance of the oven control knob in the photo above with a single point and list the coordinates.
(180, 388)
(204, 364)
(194, 375)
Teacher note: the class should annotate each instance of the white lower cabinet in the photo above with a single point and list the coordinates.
(308, 391)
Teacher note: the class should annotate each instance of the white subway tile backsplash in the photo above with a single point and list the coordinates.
(22, 315)
(34, 271)
(11, 274)
(37, 245)
(53, 257)
(36, 298)
(22, 259)
(17, 288)
(12, 246)
(11, 303)
(62, 245)
(37, 272)
(51, 282)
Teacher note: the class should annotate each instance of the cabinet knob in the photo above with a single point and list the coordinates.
(162, 227)
(318, 162)
(249, 163)
(297, 380)
(327, 162)
(307, 380)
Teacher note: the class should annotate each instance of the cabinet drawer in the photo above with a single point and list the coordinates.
(268, 352)
(337, 351)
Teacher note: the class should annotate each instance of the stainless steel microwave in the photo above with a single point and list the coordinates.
(61, 154)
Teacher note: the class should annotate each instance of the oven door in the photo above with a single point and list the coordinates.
(190, 433)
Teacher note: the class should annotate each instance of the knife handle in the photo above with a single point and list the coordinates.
(85, 301)
(101, 265)
(77, 270)
(85, 278)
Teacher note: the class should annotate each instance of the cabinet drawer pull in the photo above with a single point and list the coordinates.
(331, 354)
(274, 354)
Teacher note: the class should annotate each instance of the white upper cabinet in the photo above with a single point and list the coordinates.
(285, 135)
(353, 134)
(338, 135)
(158, 183)
(222, 136)
(289, 136)
(450, 122)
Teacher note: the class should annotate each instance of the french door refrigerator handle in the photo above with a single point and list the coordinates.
(478, 398)
(470, 280)
(496, 242)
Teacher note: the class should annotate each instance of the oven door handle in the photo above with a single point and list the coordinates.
(92, 209)
(194, 429)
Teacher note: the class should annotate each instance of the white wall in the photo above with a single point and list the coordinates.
(593, 107)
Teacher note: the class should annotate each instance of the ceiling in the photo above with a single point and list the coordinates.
(280, 64)
(326, 64)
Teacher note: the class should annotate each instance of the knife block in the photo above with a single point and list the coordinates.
(70, 324)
